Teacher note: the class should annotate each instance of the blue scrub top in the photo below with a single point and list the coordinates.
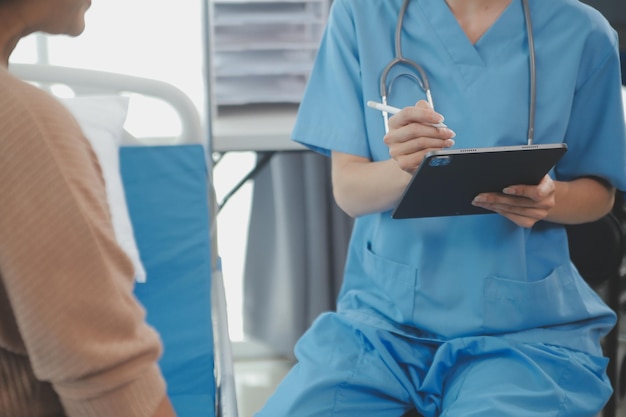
(451, 277)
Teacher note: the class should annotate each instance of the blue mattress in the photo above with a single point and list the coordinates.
(166, 191)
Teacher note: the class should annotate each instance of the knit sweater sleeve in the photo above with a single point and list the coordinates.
(69, 285)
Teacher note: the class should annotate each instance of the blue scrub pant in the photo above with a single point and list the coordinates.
(350, 369)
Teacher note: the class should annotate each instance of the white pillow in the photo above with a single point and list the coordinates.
(102, 121)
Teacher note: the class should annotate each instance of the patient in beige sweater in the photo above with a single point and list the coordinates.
(73, 339)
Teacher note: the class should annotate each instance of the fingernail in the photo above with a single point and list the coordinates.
(509, 190)
(479, 199)
(451, 132)
(449, 142)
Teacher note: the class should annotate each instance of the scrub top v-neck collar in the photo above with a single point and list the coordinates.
(452, 37)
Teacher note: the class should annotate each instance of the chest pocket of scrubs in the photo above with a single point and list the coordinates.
(393, 292)
(519, 305)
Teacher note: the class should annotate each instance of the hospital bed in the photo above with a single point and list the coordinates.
(165, 184)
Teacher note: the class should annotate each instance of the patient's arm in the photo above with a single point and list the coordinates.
(72, 311)
(165, 409)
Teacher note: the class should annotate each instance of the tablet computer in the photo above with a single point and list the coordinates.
(447, 180)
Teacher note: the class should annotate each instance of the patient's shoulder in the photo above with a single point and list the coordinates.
(30, 114)
(20, 100)
(35, 126)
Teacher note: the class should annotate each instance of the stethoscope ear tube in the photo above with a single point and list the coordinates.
(532, 70)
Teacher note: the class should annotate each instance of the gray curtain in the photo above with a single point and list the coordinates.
(296, 252)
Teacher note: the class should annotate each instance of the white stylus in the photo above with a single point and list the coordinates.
(393, 110)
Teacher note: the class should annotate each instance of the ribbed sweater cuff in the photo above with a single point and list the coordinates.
(139, 398)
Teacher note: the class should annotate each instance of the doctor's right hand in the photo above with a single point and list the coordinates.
(411, 135)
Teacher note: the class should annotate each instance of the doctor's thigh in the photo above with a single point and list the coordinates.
(525, 380)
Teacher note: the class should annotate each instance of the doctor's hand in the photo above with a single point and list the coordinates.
(524, 205)
(411, 135)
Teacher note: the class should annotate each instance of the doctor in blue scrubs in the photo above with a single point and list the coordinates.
(480, 315)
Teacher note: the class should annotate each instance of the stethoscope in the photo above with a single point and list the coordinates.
(422, 80)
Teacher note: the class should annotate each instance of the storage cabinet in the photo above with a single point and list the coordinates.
(262, 51)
